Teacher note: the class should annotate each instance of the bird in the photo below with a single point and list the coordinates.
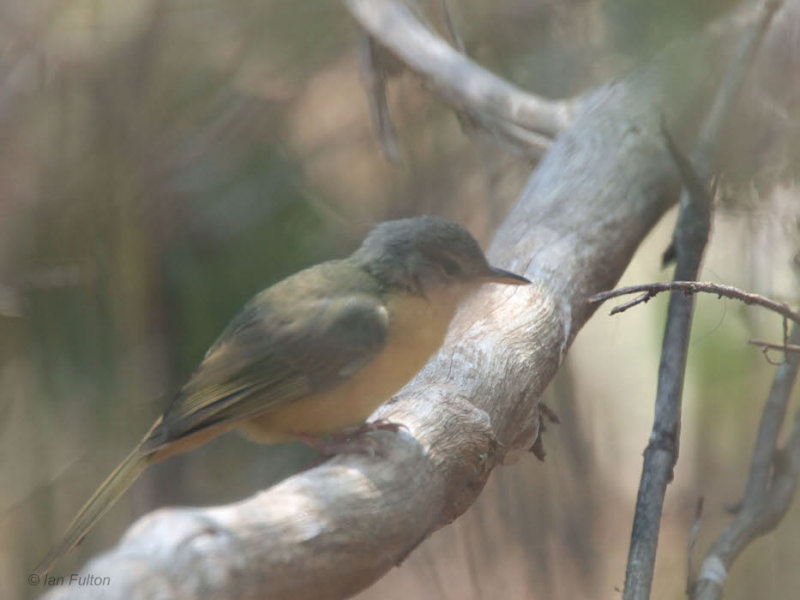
(315, 352)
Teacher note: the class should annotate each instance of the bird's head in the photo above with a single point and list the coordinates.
(426, 254)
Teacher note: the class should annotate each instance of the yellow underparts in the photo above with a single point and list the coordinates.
(417, 327)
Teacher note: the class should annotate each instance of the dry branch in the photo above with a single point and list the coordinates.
(513, 116)
(650, 290)
(771, 346)
(690, 239)
(770, 486)
(331, 531)
(375, 72)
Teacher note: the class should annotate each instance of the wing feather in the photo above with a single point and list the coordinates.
(264, 360)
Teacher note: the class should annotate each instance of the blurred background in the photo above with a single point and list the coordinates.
(163, 160)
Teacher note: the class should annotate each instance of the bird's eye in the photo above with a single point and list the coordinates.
(450, 267)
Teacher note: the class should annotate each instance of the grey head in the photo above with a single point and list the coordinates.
(424, 252)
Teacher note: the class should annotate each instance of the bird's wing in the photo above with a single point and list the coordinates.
(262, 361)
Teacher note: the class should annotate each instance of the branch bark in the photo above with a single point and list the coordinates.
(650, 290)
(524, 120)
(770, 487)
(690, 239)
(331, 531)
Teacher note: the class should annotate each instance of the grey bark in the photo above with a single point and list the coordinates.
(331, 531)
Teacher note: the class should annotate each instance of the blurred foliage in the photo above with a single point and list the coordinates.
(643, 27)
(162, 161)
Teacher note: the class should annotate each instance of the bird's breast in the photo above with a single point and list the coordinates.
(417, 327)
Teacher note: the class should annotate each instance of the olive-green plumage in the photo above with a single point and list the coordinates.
(315, 352)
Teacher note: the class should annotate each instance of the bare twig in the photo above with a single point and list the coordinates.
(693, 287)
(377, 66)
(690, 542)
(770, 485)
(514, 116)
(444, 14)
(766, 347)
(774, 413)
(770, 346)
(375, 74)
(661, 454)
(690, 238)
(785, 331)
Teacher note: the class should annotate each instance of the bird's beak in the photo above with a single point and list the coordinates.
(496, 275)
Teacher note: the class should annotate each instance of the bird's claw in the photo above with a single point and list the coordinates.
(350, 440)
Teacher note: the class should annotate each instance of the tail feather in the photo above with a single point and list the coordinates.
(106, 495)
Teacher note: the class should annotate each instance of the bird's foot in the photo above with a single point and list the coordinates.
(349, 434)
(350, 440)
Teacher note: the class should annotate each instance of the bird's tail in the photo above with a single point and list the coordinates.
(106, 495)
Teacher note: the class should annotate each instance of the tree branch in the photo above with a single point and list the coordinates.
(770, 486)
(690, 238)
(692, 287)
(375, 73)
(332, 530)
(770, 346)
(513, 116)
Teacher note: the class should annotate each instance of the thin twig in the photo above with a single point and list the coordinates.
(690, 542)
(770, 483)
(690, 238)
(785, 331)
(661, 453)
(444, 14)
(512, 115)
(785, 347)
(765, 351)
(774, 412)
(692, 287)
(375, 74)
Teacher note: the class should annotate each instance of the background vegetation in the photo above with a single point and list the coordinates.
(161, 161)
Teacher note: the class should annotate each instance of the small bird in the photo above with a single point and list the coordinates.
(316, 352)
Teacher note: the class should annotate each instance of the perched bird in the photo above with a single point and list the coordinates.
(315, 352)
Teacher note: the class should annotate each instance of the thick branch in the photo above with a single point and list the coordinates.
(331, 531)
